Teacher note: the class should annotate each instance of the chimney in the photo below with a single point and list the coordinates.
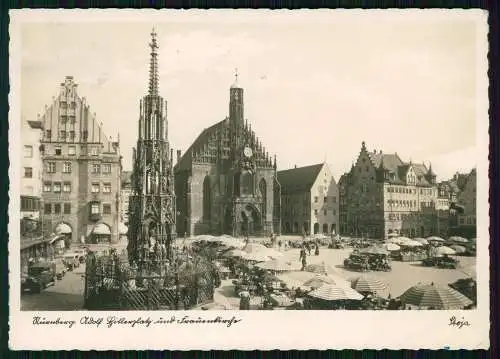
(178, 156)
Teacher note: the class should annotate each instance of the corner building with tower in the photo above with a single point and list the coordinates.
(226, 182)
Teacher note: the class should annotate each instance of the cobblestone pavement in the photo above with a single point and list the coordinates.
(66, 294)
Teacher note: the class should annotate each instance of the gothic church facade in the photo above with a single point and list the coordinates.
(226, 182)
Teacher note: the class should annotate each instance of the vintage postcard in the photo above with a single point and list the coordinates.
(248, 179)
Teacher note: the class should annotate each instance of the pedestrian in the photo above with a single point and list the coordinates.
(279, 244)
(316, 252)
(304, 262)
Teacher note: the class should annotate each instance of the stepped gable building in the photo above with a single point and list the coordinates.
(152, 200)
(81, 171)
(383, 196)
(309, 200)
(226, 181)
(466, 207)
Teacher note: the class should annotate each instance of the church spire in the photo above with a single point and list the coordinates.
(153, 65)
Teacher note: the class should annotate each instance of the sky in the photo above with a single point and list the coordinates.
(315, 86)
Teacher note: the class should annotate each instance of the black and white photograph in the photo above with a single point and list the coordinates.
(261, 165)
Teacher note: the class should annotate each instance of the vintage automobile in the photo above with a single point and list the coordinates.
(429, 261)
(357, 262)
(71, 260)
(447, 262)
(39, 276)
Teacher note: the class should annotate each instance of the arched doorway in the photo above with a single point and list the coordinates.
(333, 228)
(228, 221)
(287, 227)
(316, 228)
(250, 221)
(305, 228)
(263, 193)
(295, 227)
(207, 200)
(325, 228)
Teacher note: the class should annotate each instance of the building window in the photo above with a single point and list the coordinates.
(96, 168)
(28, 151)
(106, 168)
(57, 187)
(72, 136)
(106, 208)
(47, 186)
(47, 208)
(67, 187)
(67, 167)
(315, 211)
(325, 212)
(316, 199)
(49, 134)
(51, 167)
(64, 118)
(106, 188)
(28, 172)
(73, 105)
(62, 135)
(95, 208)
(63, 106)
(71, 150)
(67, 208)
(85, 135)
(58, 151)
(94, 151)
(95, 187)
(57, 208)
(325, 199)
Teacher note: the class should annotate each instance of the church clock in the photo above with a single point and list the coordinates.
(247, 151)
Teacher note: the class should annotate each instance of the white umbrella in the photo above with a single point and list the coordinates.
(440, 251)
(435, 239)
(257, 257)
(332, 292)
(421, 240)
(392, 247)
(458, 239)
(278, 265)
(411, 243)
(398, 240)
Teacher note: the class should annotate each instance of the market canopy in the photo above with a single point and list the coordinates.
(101, 229)
(279, 265)
(458, 239)
(63, 228)
(368, 284)
(332, 292)
(435, 239)
(435, 296)
(321, 268)
(443, 250)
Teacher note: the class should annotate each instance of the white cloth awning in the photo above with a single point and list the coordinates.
(101, 229)
(122, 228)
(63, 228)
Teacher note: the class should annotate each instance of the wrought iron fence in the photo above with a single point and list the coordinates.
(111, 283)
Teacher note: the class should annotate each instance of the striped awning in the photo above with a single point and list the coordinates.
(435, 296)
(101, 229)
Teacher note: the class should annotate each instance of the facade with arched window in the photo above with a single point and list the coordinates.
(226, 181)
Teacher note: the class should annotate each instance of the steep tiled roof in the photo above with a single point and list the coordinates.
(200, 141)
(298, 179)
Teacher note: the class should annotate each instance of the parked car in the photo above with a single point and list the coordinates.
(71, 260)
(39, 276)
